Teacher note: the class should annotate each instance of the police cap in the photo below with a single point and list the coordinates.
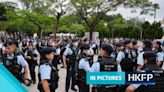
(119, 44)
(48, 50)
(9, 43)
(127, 42)
(84, 46)
(108, 48)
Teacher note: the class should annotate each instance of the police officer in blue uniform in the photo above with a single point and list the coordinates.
(127, 63)
(83, 67)
(48, 74)
(159, 53)
(105, 63)
(15, 62)
(119, 55)
(146, 63)
(32, 56)
(69, 59)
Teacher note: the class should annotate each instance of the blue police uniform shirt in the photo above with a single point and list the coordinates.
(140, 59)
(84, 64)
(160, 56)
(20, 60)
(119, 58)
(68, 51)
(95, 67)
(45, 72)
(58, 50)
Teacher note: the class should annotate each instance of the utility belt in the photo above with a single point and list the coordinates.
(81, 82)
(104, 88)
(51, 86)
(71, 60)
(40, 86)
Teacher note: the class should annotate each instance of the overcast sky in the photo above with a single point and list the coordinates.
(126, 12)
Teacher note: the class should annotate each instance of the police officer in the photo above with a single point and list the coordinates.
(56, 60)
(159, 53)
(32, 56)
(119, 55)
(83, 67)
(24, 45)
(48, 74)
(105, 63)
(69, 59)
(127, 63)
(146, 63)
(15, 62)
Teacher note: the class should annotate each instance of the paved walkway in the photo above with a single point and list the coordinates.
(61, 88)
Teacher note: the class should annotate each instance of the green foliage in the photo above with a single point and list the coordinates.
(152, 31)
(90, 15)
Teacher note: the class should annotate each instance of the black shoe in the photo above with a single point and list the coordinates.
(74, 89)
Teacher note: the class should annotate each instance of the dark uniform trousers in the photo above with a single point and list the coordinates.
(32, 66)
(84, 88)
(70, 75)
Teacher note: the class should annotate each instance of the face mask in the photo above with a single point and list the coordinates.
(76, 44)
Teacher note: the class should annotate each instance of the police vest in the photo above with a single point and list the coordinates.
(53, 82)
(24, 44)
(127, 63)
(13, 66)
(150, 57)
(107, 64)
(72, 57)
(82, 76)
(31, 53)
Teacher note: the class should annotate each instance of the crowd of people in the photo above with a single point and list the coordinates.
(79, 56)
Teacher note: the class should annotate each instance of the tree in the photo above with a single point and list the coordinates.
(155, 6)
(60, 8)
(152, 31)
(56, 8)
(98, 8)
(29, 22)
(6, 7)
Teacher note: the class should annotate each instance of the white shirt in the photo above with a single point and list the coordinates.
(68, 51)
(58, 50)
(93, 45)
(119, 58)
(84, 64)
(90, 51)
(140, 59)
(1, 45)
(45, 72)
(160, 56)
(97, 42)
(95, 67)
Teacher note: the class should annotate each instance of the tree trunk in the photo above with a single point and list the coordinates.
(56, 26)
(40, 33)
(91, 28)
